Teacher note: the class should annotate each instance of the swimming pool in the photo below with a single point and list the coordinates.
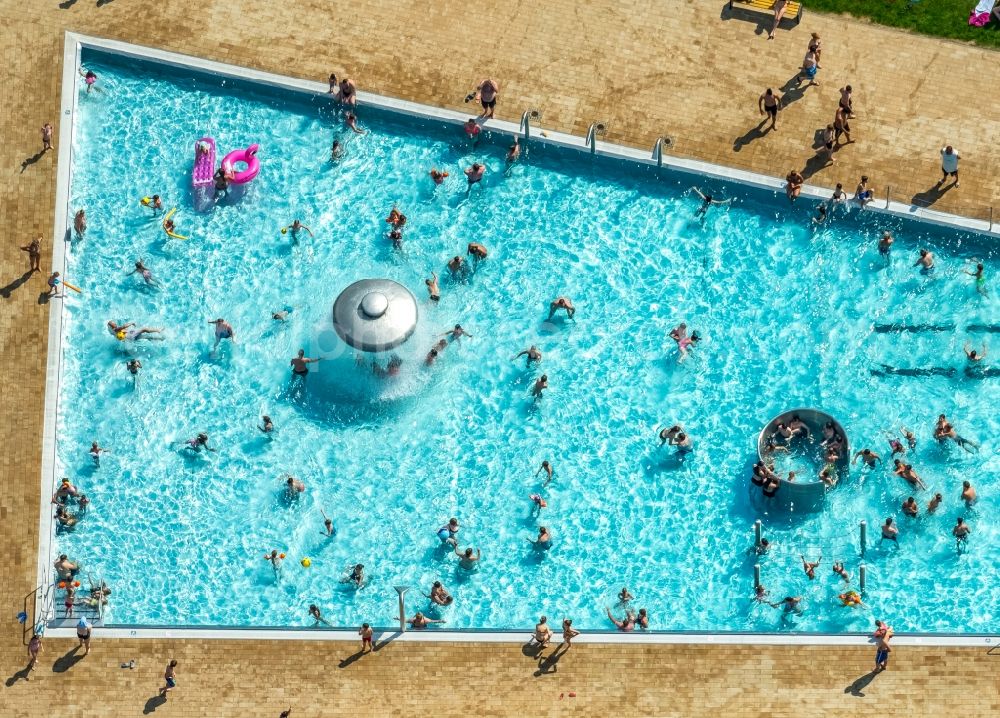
(788, 315)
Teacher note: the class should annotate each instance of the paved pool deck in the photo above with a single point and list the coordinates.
(682, 68)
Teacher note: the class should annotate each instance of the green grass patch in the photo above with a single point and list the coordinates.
(941, 18)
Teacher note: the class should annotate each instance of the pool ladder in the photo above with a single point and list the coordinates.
(597, 129)
(526, 119)
(661, 142)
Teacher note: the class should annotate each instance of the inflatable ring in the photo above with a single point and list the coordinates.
(248, 157)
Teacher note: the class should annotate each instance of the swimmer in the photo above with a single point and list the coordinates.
(790, 604)
(532, 353)
(624, 596)
(925, 262)
(392, 367)
(761, 594)
(850, 598)
(133, 366)
(300, 364)
(827, 476)
(275, 560)
(910, 507)
(547, 468)
(798, 427)
(541, 384)
(810, 567)
(268, 425)
(684, 341)
(129, 332)
(64, 492)
(34, 250)
(475, 173)
(905, 471)
(960, 531)
(562, 303)
(315, 613)
(544, 540)
(456, 333)
(477, 251)
(972, 355)
(431, 357)
(439, 596)
(355, 576)
(80, 223)
(346, 92)
(513, 153)
(143, 271)
(625, 625)
(438, 176)
(198, 443)
(945, 430)
(153, 203)
(820, 214)
(762, 548)
(885, 244)
(911, 439)
(90, 77)
(793, 188)
(396, 218)
(82, 502)
(169, 226)
(707, 201)
(889, 531)
(466, 559)
(352, 121)
(896, 446)
(934, 503)
(456, 265)
(979, 277)
(869, 457)
(683, 443)
(472, 130)
(968, 494)
(539, 504)
(96, 451)
(329, 530)
(282, 316)
(668, 435)
(222, 180)
(223, 330)
(293, 487)
(65, 568)
(336, 151)
(838, 568)
(420, 621)
(449, 532)
(295, 227)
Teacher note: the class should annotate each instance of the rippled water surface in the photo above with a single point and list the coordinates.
(787, 313)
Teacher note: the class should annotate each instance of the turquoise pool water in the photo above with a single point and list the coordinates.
(787, 313)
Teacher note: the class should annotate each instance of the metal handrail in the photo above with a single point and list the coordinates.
(596, 129)
(526, 117)
(661, 142)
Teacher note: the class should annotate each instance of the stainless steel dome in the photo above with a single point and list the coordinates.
(375, 315)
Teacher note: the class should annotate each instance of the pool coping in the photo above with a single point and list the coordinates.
(76, 42)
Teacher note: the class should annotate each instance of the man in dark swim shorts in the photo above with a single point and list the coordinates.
(486, 93)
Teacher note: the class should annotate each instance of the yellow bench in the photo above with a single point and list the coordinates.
(793, 11)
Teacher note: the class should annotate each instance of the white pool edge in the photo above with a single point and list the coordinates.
(76, 42)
